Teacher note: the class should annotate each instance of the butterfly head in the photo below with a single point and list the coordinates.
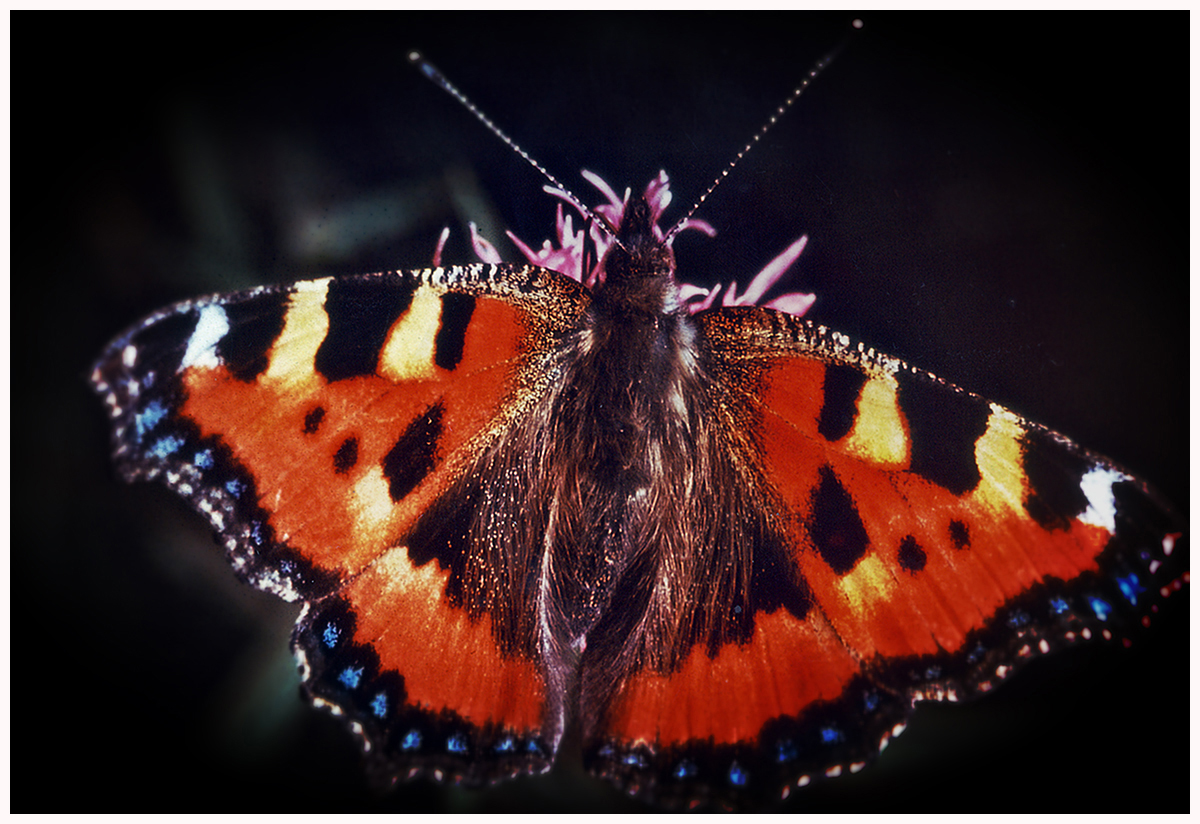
(639, 268)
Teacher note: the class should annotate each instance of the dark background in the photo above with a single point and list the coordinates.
(1001, 199)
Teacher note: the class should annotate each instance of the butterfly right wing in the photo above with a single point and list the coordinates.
(882, 538)
(340, 436)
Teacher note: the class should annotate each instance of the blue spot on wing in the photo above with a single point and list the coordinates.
(379, 704)
(1101, 607)
(164, 447)
(456, 744)
(737, 776)
(411, 741)
(685, 770)
(235, 488)
(831, 735)
(149, 418)
(786, 751)
(1058, 605)
(330, 635)
(506, 744)
(350, 676)
(203, 460)
(1131, 587)
(1018, 619)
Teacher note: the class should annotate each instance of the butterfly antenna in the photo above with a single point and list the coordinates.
(439, 79)
(820, 66)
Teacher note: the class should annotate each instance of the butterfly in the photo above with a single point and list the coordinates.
(148, 419)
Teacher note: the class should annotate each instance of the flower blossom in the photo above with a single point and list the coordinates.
(567, 257)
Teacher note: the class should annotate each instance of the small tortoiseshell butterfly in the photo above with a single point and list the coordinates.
(728, 546)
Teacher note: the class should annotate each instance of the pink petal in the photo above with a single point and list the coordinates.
(794, 303)
(484, 250)
(772, 272)
(441, 244)
(606, 190)
(696, 223)
(658, 195)
(523, 248)
(689, 292)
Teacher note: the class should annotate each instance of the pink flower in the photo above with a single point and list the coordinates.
(568, 255)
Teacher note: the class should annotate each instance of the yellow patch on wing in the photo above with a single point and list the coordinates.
(879, 434)
(372, 507)
(409, 350)
(869, 586)
(293, 357)
(998, 455)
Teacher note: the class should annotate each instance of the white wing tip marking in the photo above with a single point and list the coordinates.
(211, 327)
(1097, 486)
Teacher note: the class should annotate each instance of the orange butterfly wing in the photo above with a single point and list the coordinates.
(315, 426)
(934, 541)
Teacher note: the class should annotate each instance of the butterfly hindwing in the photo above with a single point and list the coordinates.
(329, 430)
(931, 541)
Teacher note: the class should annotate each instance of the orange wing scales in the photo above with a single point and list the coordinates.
(313, 424)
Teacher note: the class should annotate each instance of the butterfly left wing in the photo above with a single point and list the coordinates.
(899, 540)
(332, 432)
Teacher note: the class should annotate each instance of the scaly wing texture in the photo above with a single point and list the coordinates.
(314, 425)
(907, 540)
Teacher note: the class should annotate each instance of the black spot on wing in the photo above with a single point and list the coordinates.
(361, 311)
(346, 456)
(1142, 519)
(451, 532)
(960, 535)
(910, 555)
(775, 581)
(415, 454)
(443, 532)
(943, 426)
(160, 345)
(452, 332)
(834, 525)
(1054, 473)
(840, 402)
(312, 421)
(254, 325)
